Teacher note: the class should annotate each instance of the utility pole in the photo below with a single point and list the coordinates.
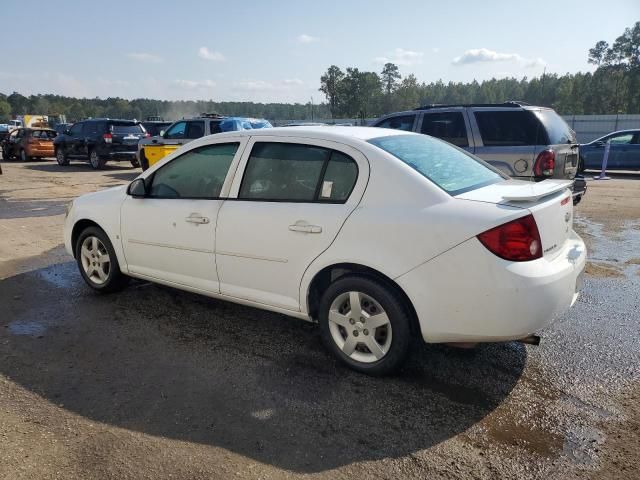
(311, 108)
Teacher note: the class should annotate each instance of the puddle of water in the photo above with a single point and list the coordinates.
(28, 327)
(59, 277)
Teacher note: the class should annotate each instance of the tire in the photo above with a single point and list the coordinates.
(97, 261)
(61, 157)
(23, 155)
(144, 163)
(581, 165)
(135, 163)
(351, 338)
(97, 162)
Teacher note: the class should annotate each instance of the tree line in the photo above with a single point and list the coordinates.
(614, 87)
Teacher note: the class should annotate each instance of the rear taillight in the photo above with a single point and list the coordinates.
(545, 163)
(518, 240)
(147, 135)
(108, 138)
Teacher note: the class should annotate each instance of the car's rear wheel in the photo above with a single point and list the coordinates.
(96, 161)
(61, 157)
(365, 324)
(23, 155)
(97, 261)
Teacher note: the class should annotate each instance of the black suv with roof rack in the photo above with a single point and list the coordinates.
(526, 142)
(99, 140)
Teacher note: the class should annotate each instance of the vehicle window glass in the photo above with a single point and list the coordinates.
(452, 169)
(557, 129)
(510, 128)
(125, 128)
(283, 171)
(339, 178)
(623, 139)
(195, 129)
(45, 134)
(404, 122)
(199, 173)
(214, 126)
(90, 128)
(177, 131)
(449, 126)
(76, 129)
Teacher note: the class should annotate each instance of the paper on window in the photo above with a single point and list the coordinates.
(326, 189)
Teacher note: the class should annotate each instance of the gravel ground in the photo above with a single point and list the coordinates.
(157, 383)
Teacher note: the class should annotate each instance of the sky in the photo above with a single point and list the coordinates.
(276, 51)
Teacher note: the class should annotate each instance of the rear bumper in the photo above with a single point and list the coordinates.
(469, 295)
(123, 155)
(40, 151)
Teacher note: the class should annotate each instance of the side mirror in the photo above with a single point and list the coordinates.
(66, 131)
(600, 143)
(162, 133)
(137, 188)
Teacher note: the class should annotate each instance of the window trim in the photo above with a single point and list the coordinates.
(152, 177)
(318, 185)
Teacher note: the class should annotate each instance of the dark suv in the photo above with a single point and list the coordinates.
(99, 140)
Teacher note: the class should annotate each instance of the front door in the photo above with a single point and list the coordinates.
(291, 199)
(170, 234)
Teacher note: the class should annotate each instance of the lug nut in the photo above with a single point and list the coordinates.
(355, 333)
(362, 319)
(366, 332)
(352, 321)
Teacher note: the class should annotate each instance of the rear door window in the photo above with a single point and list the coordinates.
(557, 129)
(401, 122)
(76, 129)
(90, 128)
(289, 172)
(195, 129)
(449, 126)
(501, 128)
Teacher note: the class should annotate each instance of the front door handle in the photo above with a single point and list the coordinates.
(197, 219)
(305, 228)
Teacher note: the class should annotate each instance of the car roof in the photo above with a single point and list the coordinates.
(320, 132)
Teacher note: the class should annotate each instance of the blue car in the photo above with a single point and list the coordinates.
(624, 153)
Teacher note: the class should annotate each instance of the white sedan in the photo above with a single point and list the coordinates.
(380, 236)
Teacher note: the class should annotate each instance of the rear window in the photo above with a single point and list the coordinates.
(401, 122)
(450, 168)
(557, 129)
(501, 128)
(44, 134)
(126, 128)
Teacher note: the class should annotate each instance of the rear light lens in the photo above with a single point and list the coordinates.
(108, 138)
(545, 163)
(518, 241)
(147, 135)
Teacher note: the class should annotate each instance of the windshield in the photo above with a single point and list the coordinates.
(450, 168)
(127, 128)
(557, 129)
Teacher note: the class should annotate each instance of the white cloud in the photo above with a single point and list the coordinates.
(145, 57)
(304, 38)
(401, 57)
(481, 55)
(292, 81)
(194, 84)
(255, 85)
(435, 50)
(204, 52)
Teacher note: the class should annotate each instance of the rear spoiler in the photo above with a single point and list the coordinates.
(535, 191)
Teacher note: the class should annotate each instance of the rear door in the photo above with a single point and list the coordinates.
(288, 202)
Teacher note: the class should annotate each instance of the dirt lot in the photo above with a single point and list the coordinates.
(156, 383)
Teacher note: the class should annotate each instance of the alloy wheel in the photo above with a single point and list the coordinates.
(96, 262)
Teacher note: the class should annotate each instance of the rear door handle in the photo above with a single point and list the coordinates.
(305, 228)
(197, 219)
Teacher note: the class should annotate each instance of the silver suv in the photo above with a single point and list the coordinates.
(524, 141)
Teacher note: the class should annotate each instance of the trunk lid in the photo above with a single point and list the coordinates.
(548, 201)
(125, 136)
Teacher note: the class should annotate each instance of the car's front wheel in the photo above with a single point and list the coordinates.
(97, 261)
(366, 324)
